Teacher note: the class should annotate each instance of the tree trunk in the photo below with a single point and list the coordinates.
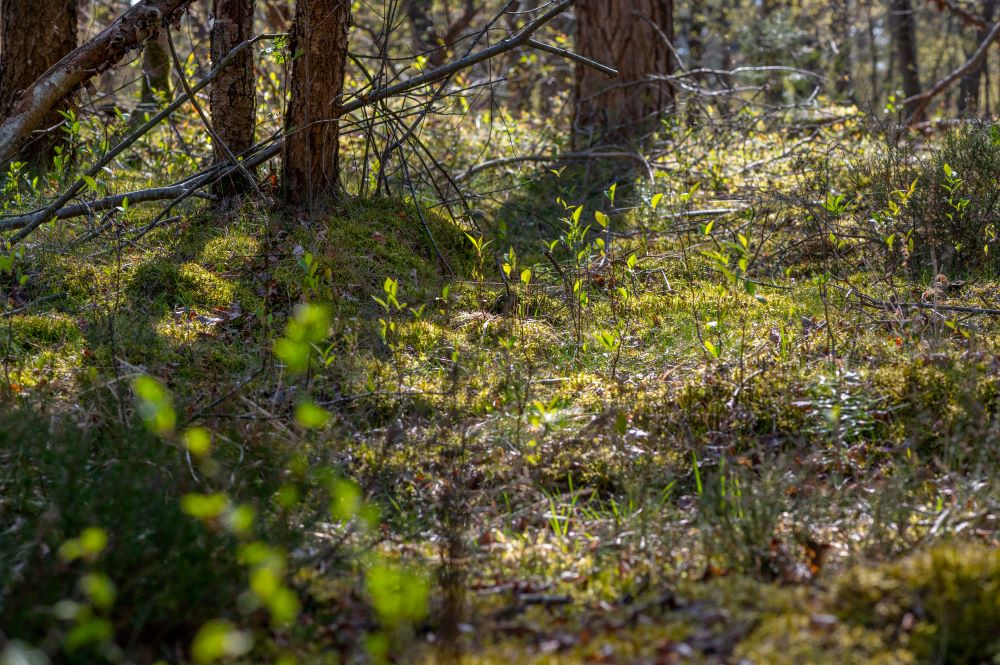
(902, 24)
(840, 29)
(311, 152)
(422, 24)
(233, 94)
(33, 37)
(630, 35)
(968, 94)
(156, 69)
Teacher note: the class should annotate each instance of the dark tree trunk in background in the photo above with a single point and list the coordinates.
(843, 41)
(426, 37)
(630, 35)
(311, 151)
(903, 25)
(156, 68)
(34, 35)
(422, 24)
(968, 93)
(233, 94)
(278, 15)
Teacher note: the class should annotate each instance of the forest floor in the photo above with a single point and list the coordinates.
(714, 437)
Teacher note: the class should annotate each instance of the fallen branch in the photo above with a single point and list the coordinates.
(893, 306)
(570, 156)
(107, 203)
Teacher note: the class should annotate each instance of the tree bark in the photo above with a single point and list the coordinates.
(632, 36)
(233, 94)
(311, 156)
(33, 37)
(141, 22)
(902, 24)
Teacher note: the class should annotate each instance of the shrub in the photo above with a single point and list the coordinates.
(952, 216)
(171, 573)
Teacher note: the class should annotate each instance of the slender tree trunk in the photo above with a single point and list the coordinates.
(876, 92)
(842, 20)
(34, 36)
(156, 70)
(233, 94)
(968, 93)
(311, 151)
(903, 26)
(630, 35)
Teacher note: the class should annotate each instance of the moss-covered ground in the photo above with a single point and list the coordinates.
(641, 451)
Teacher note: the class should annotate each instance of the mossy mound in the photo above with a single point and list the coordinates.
(364, 241)
(230, 252)
(163, 283)
(944, 603)
(79, 279)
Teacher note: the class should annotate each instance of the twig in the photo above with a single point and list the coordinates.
(868, 301)
(35, 303)
(106, 203)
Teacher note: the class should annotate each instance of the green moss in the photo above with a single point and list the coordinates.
(944, 601)
(162, 281)
(791, 639)
(38, 329)
(365, 241)
(81, 280)
(229, 252)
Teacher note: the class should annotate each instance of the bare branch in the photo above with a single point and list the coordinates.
(924, 99)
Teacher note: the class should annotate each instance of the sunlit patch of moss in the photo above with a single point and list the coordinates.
(587, 391)
(362, 242)
(161, 280)
(944, 603)
(80, 279)
(229, 252)
(44, 329)
(422, 336)
(791, 639)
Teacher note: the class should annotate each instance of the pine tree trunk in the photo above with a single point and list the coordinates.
(630, 35)
(904, 35)
(33, 37)
(311, 152)
(233, 94)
